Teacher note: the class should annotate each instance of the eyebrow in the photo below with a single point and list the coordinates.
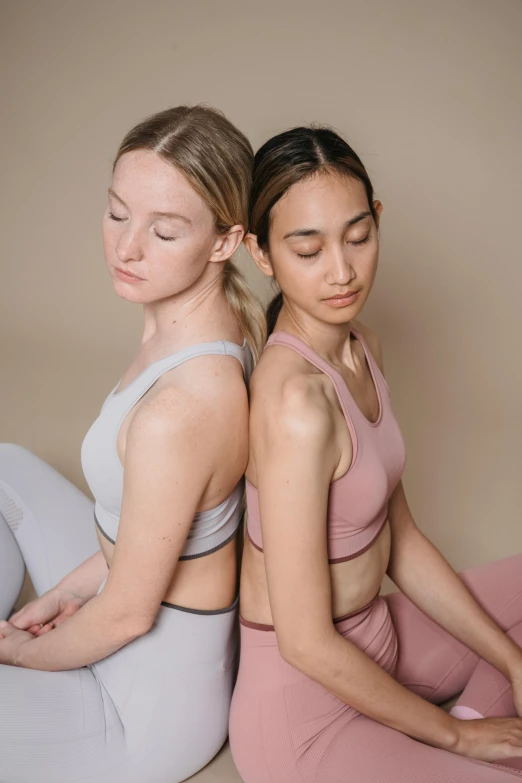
(174, 215)
(312, 232)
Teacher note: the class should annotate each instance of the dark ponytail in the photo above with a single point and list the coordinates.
(272, 312)
(283, 161)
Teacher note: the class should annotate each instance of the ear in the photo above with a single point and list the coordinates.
(260, 256)
(227, 244)
(377, 206)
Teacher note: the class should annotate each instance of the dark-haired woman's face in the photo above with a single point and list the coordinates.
(324, 247)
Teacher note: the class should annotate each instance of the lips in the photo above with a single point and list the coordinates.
(347, 295)
(342, 300)
(125, 273)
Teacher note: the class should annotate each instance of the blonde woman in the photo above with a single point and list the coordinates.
(121, 669)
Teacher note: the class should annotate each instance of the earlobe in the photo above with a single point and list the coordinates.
(259, 256)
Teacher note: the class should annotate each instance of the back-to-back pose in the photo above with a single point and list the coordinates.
(122, 669)
(337, 684)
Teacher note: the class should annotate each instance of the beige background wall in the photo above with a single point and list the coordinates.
(428, 93)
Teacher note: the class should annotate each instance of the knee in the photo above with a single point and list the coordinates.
(17, 466)
(10, 449)
(12, 454)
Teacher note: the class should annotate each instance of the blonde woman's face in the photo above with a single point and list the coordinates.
(324, 247)
(158, 233)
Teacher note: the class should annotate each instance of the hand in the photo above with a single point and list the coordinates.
(48, 611)
(489, 739)
(11, 639)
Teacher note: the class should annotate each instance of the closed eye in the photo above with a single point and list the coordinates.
(362, 241)
(114, 217)
(165, 239)
(358, 242)
(309, 255)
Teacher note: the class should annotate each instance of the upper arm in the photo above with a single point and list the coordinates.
(168, 465)
(399, 515)
(294, 447)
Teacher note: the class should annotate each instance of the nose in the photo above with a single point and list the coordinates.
(128, 247)
(340, 270)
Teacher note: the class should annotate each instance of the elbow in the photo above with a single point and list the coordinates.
(126, 625)
(134, 625)
(303, 654)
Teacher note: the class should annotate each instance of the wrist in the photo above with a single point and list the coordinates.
(67, 592)
(450, 735)
(513, 669)
(18, 653)
(84, 582)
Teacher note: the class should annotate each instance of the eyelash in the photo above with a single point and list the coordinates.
(120, 220)
(165, 239)
(313, 255)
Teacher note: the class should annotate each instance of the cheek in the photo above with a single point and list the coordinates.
(300, 278)
(109, 238)
(367, 264)
(179, 264)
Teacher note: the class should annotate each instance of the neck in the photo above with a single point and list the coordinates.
(187, 314)
(331, 341)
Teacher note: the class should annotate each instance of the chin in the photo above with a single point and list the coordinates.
(126, 292)
(341, 316)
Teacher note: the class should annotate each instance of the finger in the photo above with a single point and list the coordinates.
(24, 621)
(31, 618)
(514, 751)
(21, 620)
(63, 616)
(45, 629)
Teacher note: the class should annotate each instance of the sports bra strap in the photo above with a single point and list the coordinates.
(345, 399)
(134, 390)
(216, 348)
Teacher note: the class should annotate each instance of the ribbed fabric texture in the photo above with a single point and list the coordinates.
(357, 501)
(103, 470)
(286, 728)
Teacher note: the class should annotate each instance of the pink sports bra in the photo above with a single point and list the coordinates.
(358, 500)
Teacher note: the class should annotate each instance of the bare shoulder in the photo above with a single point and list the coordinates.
(167, 413)
(203, 393)
(289, 397)
(373, 341)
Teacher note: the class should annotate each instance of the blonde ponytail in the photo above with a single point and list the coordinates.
(246, 308)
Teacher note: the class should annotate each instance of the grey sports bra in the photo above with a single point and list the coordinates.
(210, 530)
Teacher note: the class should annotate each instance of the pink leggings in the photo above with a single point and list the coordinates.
(286, 728)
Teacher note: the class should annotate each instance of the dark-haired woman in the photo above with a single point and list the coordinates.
(121, 670)
(338, 684)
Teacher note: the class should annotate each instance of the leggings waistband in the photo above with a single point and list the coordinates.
(262, 627)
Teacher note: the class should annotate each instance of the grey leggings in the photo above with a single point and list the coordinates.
(155, 711)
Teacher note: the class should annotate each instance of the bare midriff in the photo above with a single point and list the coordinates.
(207, 582)
(355, 582)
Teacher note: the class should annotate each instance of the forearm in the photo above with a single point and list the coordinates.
(428, 580)
(354, 678)
(85, 580)
(93, 633)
